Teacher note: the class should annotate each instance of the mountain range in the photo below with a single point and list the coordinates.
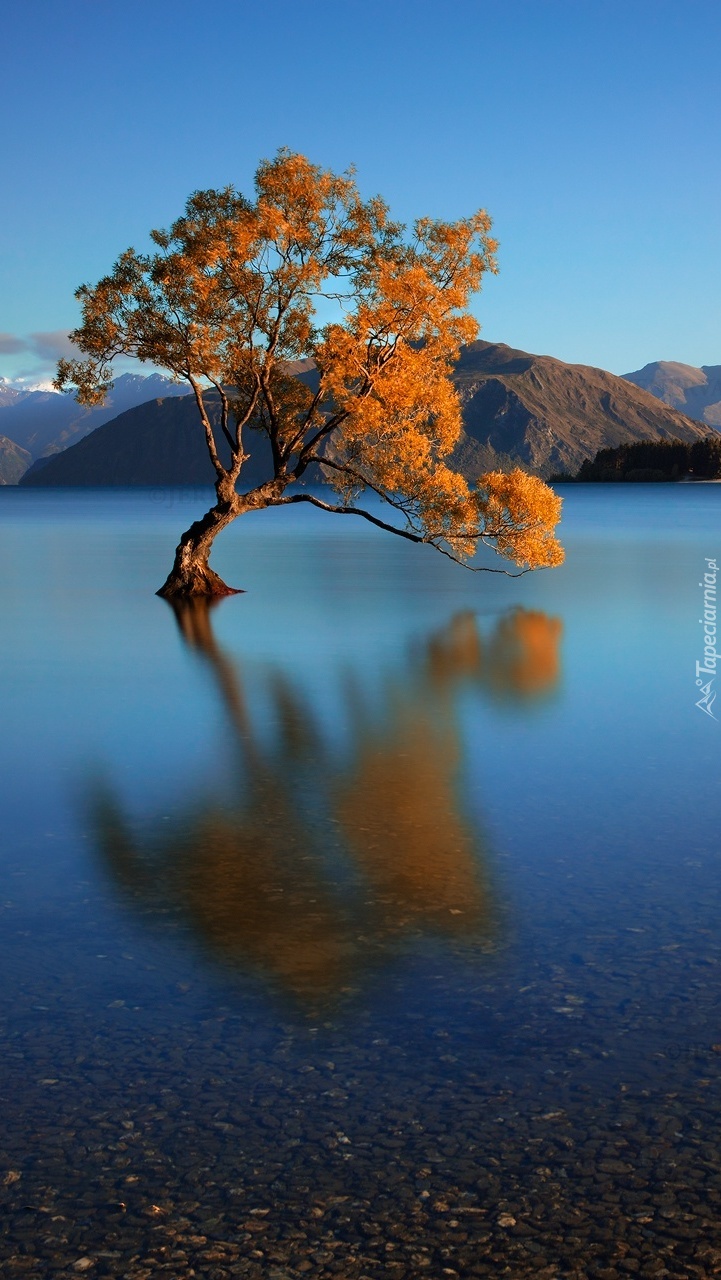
(518, 409)
(45, 422)
(696, 392)
(157, 444)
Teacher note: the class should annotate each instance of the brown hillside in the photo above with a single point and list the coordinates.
(549, 416)
(14, 461)
(696, 392)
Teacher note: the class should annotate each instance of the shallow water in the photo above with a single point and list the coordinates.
(368, 925)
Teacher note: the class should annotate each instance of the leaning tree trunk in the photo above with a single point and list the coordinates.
(191, 575)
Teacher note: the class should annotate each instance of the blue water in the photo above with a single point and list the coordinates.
(381, 898)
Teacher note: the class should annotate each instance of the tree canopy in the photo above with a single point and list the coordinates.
(655, 460)
(230, 297)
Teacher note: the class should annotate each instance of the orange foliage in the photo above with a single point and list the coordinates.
(520, 513)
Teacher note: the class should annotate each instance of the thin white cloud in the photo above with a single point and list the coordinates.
(40, 352)
(10, 345)
(52, 345)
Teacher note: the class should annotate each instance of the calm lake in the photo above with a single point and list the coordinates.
(368, 925)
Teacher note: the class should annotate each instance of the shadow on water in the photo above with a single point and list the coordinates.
(323, 864)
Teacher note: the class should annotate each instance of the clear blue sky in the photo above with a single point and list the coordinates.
(589, 129)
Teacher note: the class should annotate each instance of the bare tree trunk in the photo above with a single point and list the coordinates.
(191, 575)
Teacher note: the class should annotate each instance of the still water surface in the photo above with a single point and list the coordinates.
(367, 925)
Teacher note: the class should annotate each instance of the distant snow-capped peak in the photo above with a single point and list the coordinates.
(27, 384)
(45, 384)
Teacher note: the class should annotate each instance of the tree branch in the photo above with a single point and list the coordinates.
(347, 470)
(307, 452)
(209, 437)
(290, 446)
(391, 528)
(224, 415)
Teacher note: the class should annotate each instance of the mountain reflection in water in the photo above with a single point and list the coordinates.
(323, 863)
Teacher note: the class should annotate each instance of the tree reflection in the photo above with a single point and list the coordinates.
(322, 863)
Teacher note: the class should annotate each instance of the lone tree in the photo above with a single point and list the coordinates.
(227, 302)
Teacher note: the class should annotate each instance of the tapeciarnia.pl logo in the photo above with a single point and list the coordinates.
(710, 656)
